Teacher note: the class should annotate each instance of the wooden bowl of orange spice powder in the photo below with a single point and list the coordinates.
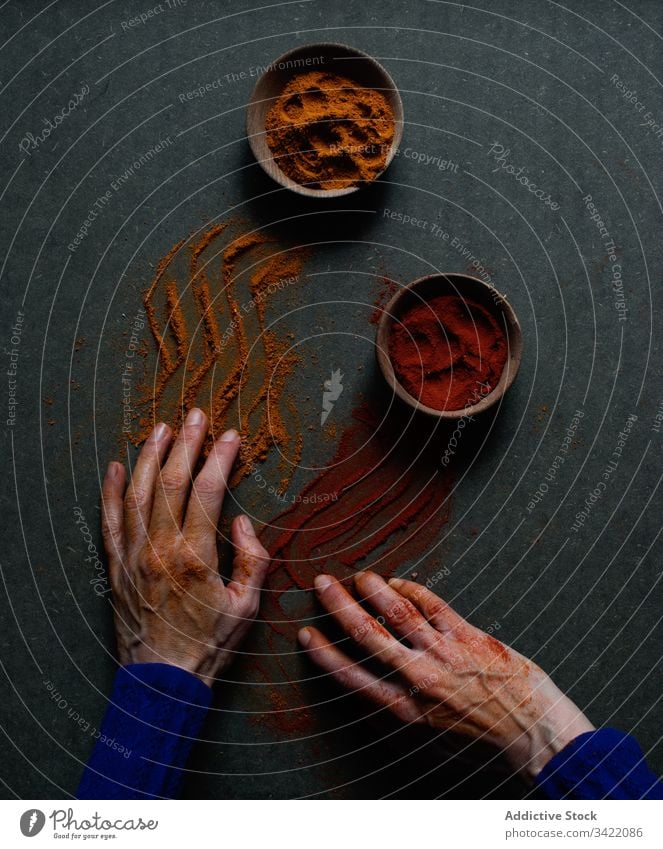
(324, 120)
(449, 345)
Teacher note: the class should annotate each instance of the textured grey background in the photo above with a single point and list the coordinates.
(535, 77)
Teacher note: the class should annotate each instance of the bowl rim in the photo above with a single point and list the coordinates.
(514, 341)
(255, 134)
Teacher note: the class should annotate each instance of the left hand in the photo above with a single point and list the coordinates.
(171, 604)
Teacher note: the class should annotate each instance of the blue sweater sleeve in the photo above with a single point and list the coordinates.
(154, 713)
(602, 764)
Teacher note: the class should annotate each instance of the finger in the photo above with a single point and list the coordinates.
(440, 615)
(112, 520)
(209, 487)
(359, 624)
(354, 677)
(174, 480)
(140, 492)
(400, 613)
(249, 567)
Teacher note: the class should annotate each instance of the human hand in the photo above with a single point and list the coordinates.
(171, 604)
(453, 676)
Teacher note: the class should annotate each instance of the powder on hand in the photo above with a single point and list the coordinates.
(448, 352)
(327, 132)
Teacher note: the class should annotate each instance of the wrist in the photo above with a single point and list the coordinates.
(194, 666)
(546, 736)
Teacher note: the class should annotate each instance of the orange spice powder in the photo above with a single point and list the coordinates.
(327, 132)
(207, 321)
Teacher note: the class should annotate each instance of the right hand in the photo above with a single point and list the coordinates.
(453, 676)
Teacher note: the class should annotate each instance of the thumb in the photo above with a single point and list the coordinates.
(249, 565)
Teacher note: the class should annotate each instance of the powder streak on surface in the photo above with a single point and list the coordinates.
(381, 501)
(211, 353)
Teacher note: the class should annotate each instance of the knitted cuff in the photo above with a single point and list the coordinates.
(602, 764)
(154, 713)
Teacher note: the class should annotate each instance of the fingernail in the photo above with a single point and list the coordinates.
(322, 582)
(395, 583)
(194, 418)
(304, 636)
(113, 470)
(159, 431)
(229, 436)
(246, 526)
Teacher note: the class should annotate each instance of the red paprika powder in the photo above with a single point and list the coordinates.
(383, 499)
(448, 352)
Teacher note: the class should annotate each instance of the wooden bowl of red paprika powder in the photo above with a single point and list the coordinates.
(449, 345)
(324, 120)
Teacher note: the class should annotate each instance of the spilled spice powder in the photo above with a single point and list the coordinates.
(383, 484)
(382, 499)
(327, 132)
(448, 351)
(387, 290)
(206, 315)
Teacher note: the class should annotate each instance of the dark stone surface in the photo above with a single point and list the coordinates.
(536, 78)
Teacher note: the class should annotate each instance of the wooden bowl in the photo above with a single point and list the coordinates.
(462, 285)
(336, 58)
